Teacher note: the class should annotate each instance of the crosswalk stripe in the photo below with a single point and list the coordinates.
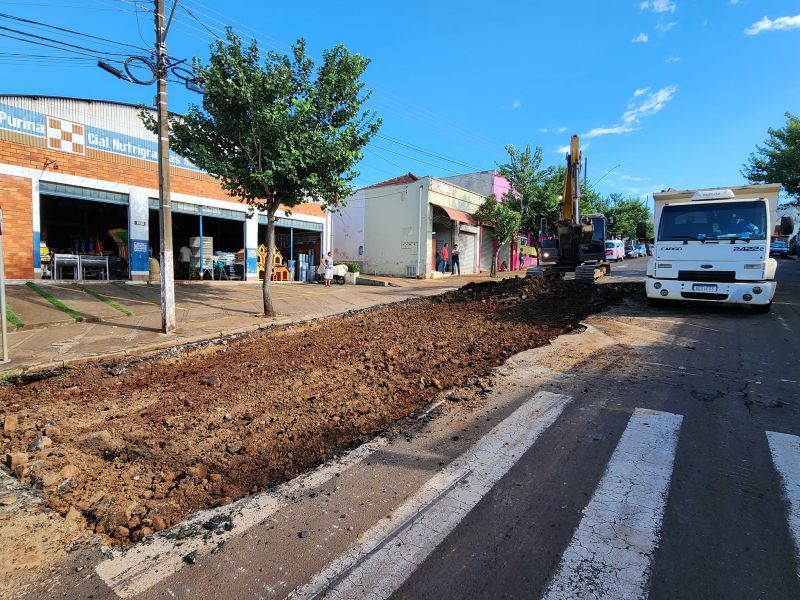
(609, 554)
(392, 550)
(785, 451)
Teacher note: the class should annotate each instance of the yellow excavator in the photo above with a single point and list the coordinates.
(581, 238)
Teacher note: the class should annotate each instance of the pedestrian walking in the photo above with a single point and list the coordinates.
(455, 264)
(184, 272)
(327, 261)
(444, 258)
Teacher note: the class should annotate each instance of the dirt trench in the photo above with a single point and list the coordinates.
(128, 449)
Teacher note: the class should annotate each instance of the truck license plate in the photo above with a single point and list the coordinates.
(704, 287)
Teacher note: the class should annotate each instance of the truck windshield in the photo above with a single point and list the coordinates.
(549, 243)
(718, 221)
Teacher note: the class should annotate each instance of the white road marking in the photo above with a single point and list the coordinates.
(785, 450)
(137, 569)
(609, 554)
(784, 323)
(392, 550)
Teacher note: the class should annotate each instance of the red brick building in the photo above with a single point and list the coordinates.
(72, 170)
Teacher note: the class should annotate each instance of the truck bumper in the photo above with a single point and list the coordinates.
(728, 293)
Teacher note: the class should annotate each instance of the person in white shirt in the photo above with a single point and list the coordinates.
(185, 257)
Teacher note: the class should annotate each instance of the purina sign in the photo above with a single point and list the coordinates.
(60, 133)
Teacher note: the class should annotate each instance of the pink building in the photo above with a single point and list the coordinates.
(487, 183)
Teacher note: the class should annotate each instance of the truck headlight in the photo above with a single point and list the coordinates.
(657, 285)
(757, 290)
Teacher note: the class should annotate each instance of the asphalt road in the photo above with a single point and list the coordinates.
(655, 454)
(725, 533)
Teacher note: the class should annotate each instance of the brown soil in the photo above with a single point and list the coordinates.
(137, 447)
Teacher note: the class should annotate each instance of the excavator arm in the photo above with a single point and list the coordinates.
(571, 198)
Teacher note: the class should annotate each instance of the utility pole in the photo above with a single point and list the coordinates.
(165, 202)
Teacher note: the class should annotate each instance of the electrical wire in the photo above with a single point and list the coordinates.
(70, 31)
(66, 45)
(191, 14)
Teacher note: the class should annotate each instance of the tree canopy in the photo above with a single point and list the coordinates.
(276, 130)
(533, 190)
(504, 221)
(778, 160)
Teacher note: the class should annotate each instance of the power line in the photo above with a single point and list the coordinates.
(67, 44)
(427, 152)
(93, 54)
(203, 25)
(65, 30)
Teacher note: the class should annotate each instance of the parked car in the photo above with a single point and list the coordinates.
(636, 251)
(548, 251)
(779, 247)
(615, 250)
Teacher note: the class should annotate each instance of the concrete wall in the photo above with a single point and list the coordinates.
(391, 228)
(347, 229)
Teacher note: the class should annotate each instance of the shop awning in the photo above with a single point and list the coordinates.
(459, 215)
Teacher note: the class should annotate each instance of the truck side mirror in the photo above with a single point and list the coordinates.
(641, 230)
(787, 225)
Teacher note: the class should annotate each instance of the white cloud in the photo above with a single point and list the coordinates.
(734, 1)
(665, 27)
(516, 104)
(542, 129)
(658, 6)
(615, 130)
(672, 59)
(652, 104)
(640, 39)
(633, 115)
(561, 129)
(629, 178)
(767, 24)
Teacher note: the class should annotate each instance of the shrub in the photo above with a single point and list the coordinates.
(352, 267)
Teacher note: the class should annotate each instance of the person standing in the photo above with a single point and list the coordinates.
(328, 262)
(444, 258)
(455, 264)
(185, 257)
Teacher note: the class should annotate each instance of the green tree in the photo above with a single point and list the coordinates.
(505, 223)
(533, 190)
(624, 213)
(778, 160)
(277, 132)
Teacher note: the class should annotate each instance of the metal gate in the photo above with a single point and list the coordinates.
(487, 248)
(466, 255)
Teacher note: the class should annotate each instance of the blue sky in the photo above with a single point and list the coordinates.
(675, 92)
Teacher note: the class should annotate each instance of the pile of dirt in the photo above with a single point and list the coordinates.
(129, 449)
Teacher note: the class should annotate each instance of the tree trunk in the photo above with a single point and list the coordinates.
(493, 270)
(269, 310)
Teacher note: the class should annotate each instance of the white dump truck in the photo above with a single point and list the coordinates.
(712, 245)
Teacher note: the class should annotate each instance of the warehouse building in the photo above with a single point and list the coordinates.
(79, 179)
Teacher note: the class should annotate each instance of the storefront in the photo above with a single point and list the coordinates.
(298, 241)
(81, 188)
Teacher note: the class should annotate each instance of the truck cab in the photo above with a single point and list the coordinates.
(713, 248)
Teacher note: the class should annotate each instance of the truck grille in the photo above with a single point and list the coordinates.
(715, 276)
(703, 296)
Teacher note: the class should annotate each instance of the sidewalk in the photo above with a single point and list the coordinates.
(126, 318)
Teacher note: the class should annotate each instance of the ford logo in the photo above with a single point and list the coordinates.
(706, 266)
